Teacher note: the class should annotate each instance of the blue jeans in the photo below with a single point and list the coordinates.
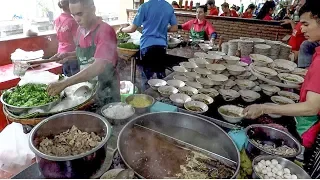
(71, 68)
(307, 49)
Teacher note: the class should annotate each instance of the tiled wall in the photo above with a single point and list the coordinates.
(233, 28)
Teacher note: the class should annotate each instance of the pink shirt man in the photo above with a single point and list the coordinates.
(66, 28)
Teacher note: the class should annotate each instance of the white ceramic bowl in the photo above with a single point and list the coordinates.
(245, 84)
(179, 99)
(261, 60)
(218, 79)
(203, 98)
(213, 58)
(268, 72)
(205, 82)
(156, 83)
(291, 78)
(269, 90)
(282, 67)
(190, 66)
(192, 76)
(167, 91)
(200, 54)
(217, 53)
(190, 91)
(229, 94)
(216, 68)
(249, 96)
(231, 59)
(202, 71)
(227, 110)
(200, 62)
(180, 70)
(181, 78)
(256, 88)
(300, 71)
(235, 69)
(229, 84)
(198, 104)
(176, 83)
(194, 84)
(293, 96)
(210, 92)
(280, 100)
(290, 63)
(273, 115)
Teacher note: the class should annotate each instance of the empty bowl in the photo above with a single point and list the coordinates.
(179, 99)
(235, 69)
(192, 76)
(231, 59)
(180, 70)
(202, 71)
(156, 83)
(176, 83)
(216, 68)
(217, 79)
(205, 82)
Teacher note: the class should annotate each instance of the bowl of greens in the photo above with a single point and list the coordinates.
(20, 99)
(123, 37)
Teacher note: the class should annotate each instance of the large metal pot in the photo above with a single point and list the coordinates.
(79, 166)
(183, 127)
(269, 134)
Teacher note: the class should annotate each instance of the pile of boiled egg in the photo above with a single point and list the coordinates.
(273, 170)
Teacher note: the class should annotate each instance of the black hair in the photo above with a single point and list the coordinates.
(204, 7)
(251, 6)
(311, 6)
(174, 3)
(64, 5)
(265, 9)
(84, 2)
(211, 2)
(225, 5)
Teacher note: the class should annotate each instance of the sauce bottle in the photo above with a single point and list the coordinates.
(191, 5)
(186, 5)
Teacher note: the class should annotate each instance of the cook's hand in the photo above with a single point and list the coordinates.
(56, 88)
(253, 111)
(286, 21)
(62, 57)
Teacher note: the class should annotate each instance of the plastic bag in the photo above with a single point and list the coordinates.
(15, 154)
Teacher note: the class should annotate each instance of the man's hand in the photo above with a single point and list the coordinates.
(286, 21)
(63, 57)
(253, 111)
(56, 88)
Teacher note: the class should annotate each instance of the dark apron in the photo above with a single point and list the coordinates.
(109, 86)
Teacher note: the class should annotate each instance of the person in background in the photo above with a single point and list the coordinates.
(66, 28)
(175, 5)
(307, 111)
(306, 52)
(96, 51)
(266, 11)
(227, 11)
(200, 28)
(249, 11)
(154, 16)
(213, 10)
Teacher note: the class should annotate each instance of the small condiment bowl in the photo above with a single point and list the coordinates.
(190, 91)
(181, 78)
(203, 98)
(229, 94)
(261, 60)
(290, 95)
(200, 55)
(192, 76)
(167, 91)
(190, 104)
(231, 109)
(291, 78)
(203, 72)
(245, 84)
(218, 79)
(115, 120)
(290, 63)
(232, 60)
(216, 68)
(200, 62)
(156, 83)
(249, 96)
(189, 66)
(179, 99)
(179, 70)
(212, 58)
(282, 67)
(205, 82)
(269, 90)
(229, 84)
(235, 69)
(176, 83)
(217, 53)
(268, 72)
(273, 115)
(210, 92)
(280, 100)
(194, 84)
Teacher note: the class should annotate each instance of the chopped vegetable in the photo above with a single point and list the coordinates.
(29, 95)
(129, 45)
(122, 35)
(195, 108)
(139, 102)
(229, 113)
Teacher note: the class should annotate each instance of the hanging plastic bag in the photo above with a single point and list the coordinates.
(15, 154)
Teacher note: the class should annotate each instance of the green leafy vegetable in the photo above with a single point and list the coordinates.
(29, 95)
(128, 46)
(122, 35)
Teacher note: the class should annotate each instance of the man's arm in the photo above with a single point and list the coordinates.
(130, 29)
(173, 23)
(173, 28)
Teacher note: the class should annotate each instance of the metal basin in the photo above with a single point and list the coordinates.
(80, 166)
(269, 134)
(188, 128)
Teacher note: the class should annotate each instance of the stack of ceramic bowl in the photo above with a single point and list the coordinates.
(225, 47)
(285, 51)
(233, 47)
(262, 49)
(246, 47)
(275, 48)
(257, 41)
